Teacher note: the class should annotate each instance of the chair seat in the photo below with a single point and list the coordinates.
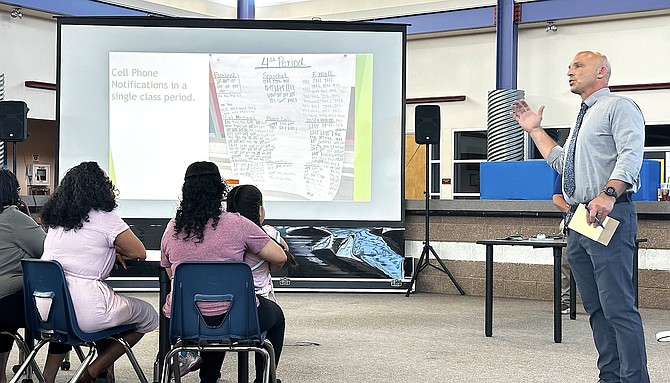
(96, 336)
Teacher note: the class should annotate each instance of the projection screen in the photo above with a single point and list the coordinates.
(310, 112)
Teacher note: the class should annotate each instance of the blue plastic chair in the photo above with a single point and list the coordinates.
(231, 282)
(50, 316)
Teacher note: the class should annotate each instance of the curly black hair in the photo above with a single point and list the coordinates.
(85, 187)
(246, 200)
(9, 189)
(202, 196)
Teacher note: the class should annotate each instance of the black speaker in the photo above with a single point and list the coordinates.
(427, 124)
(13, 121)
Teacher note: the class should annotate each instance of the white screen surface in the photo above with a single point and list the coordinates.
(111, 75)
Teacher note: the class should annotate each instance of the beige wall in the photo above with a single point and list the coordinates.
(28, 53)
(637, 48)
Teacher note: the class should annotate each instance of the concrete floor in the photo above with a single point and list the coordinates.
(424, 338)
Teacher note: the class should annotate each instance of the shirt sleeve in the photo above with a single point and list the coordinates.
(558, 188)
(628, 132)
(555, 159)
(116, 226)
(29, 236)
(272, 232)
(167, 237)
(255, 238)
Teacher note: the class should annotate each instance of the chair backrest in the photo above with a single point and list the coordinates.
(48, 306)
(209, 282)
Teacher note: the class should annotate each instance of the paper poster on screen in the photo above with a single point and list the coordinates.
(287, 123)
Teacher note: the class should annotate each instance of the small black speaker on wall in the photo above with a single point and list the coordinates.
(13, 121)
(427, 124)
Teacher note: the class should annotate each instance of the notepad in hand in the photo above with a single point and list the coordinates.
(579, 224)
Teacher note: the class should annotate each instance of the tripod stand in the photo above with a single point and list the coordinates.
(424, 260)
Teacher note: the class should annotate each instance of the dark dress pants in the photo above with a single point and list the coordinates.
(604, 278)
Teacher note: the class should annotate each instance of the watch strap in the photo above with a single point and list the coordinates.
(609, 191)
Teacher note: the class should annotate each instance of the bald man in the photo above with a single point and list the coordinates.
(600, 165)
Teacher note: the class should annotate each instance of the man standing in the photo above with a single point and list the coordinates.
(600, 165)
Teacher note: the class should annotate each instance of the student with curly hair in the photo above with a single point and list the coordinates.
(86, 237)
(20, 238)
(203, 231)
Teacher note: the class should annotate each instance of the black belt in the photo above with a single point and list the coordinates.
(625, 197)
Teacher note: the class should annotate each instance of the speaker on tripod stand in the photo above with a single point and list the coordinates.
(427, 131)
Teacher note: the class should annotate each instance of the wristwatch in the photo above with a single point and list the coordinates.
(609, 191)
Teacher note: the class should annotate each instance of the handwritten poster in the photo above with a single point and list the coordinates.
(285, 120)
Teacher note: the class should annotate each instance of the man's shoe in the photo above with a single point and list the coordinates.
(190, 362)
(565, 308)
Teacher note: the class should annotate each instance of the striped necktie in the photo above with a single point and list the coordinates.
(569, 167)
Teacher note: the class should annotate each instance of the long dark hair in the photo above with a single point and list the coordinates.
(85, 187)
(202, 196)
(246, 200)
(9, 189)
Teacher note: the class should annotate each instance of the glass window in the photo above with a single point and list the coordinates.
(469, 153)
(466, 178)
(560, 135)
(657, 135)
(470, 145)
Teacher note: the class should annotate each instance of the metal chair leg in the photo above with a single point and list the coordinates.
(92, 353)
(29, 361)
(133, 360)
(24, 352)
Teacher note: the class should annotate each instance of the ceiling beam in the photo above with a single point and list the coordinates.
(77, 8)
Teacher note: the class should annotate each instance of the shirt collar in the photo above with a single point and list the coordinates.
(592, 99)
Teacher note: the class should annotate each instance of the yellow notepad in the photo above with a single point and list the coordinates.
(600, 234)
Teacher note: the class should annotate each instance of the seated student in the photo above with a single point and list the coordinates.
(248, 201)
(20, 237)
(203, 230)
(86, 237)
(559, 202)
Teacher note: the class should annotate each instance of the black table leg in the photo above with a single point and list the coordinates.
(163, 324)
(557, 295)
(488, 315)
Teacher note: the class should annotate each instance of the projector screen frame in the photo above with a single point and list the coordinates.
(290, 25)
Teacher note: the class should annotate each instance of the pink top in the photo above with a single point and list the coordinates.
(228, 242)
(88, 256)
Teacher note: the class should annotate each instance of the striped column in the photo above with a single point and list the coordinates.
(504, 136)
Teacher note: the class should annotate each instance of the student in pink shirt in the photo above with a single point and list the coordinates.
(87, 238)
(203, 230)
